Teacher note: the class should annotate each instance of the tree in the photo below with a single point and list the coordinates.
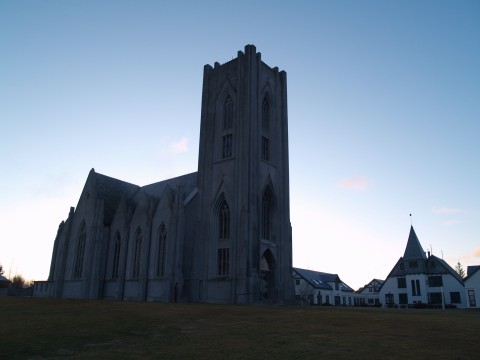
(459, 269)
(1, 269)
(19, 282)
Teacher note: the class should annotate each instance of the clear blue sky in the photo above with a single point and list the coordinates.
(384, 117)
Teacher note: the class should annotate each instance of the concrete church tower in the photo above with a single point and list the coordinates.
(243, 182)
(220, 235)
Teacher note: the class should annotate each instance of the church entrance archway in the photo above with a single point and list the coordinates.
(267, 271)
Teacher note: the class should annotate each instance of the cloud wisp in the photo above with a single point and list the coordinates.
(179, 147)
(358, 183)
(446, 210)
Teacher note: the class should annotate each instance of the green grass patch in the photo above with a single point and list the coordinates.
(34, 328)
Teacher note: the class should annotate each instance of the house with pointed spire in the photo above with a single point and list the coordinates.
(422, 280)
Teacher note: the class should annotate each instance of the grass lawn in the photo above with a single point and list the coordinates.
(34, 328)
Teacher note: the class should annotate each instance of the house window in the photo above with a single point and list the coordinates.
(224, 221)
(415, 287)
(327, 299)
(389, 299)
(162, 241)
(227, 146)
(471, 298)
(265, 149)
(401, 283)
(223, 261)
(116, 256)
(435, 281)
(297, 282)
(435, 298)
(455, 297)
(403, 298)
(418, 287)
(337, 286)
(79, 252)
(137, 253)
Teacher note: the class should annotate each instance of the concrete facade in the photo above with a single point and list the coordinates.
(221, 235)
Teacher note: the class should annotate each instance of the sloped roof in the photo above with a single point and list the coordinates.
(188, 181)
(414, 250)
(111, 190)
(3, 278)
(471, 272)
(472, 269)
(448, 268)
(320, 280)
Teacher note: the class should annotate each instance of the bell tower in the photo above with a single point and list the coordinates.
(243, 184)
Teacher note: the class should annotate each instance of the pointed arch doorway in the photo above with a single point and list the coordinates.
(267, 272)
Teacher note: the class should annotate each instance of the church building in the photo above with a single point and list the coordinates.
(219, 235)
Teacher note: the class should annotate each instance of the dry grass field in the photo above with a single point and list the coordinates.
(53, 329)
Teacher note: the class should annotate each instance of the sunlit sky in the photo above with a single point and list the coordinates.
(384, 117)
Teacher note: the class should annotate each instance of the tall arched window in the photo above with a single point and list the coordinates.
(227, 113)
(224, 220)
(162, 240)
(80, 251)
(223, 250)
(265, 114)
(227, 123)
(265, 149)
(116, 255)
(268, 202)
(137, 253)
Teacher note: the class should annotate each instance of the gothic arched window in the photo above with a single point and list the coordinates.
(116, 255)
(227, 123)
(162, 240)
(265, 150)
(224, 221)
(80, 251)
(223, 250)
(267, 214)
(137, 253)
(227, 113)
(265, 115)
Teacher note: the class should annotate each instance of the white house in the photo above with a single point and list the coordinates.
(318, 288)
(369, 294)
(418, 280)
(472, 286)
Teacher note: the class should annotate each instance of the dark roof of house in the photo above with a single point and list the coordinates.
(320, 280)
(471, 270)
(448, 268)
(414, 250)
(3, 278)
